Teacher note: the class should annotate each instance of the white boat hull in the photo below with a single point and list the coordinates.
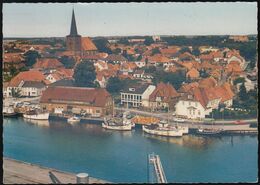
(40, 116)
(185, 130)
(117, 127)
(170, 133)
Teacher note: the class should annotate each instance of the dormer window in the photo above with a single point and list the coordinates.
(132, 89)
(158, 98)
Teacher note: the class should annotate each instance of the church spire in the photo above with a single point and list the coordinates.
(73, 27)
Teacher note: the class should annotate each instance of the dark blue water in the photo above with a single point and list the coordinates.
(122, 156)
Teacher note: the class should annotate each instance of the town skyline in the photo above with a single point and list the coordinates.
(103, 20)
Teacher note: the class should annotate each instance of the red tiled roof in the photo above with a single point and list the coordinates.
(166, 91)
(32, 75)
(96, 97)
(87, 44)
(12, 57)
(193, 73)
(47, 63)
(188, 87)
(207, 82)
(159, 58)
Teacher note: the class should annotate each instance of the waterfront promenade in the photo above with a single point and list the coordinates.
(18, 172)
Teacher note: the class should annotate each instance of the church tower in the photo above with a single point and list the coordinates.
(73, 40)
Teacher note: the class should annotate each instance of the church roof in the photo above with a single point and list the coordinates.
(87, 44)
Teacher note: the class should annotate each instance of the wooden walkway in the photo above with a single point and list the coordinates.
(18, 172)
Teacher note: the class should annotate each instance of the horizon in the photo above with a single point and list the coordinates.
(134, 19)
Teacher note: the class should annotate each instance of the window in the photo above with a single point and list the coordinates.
(182, 102)
(189, 102)
(198, 112)
(196, 104)
(97, 111)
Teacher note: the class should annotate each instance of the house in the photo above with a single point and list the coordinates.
(158, 59)
(163, 96)
(137, 95)
(140, 63)
(27, 76)
(138, 74)
(239, 38)
(241, 61)
(192, 74)
(207, 82)
(189, 107)
(13, 59)
(87, 47)
(116, 59)
(187, 87)
(32, 88)
(59, 74)
(95, 101)
(226, 94)
(47, 63)
(101, 65)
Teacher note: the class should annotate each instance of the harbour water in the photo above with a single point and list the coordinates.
(122, 156)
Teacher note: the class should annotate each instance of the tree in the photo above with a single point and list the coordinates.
(148, 41)
(184, 49)
(114, 85)
(102, 45)
(13, 70)
(68, 62)
(242, 92)
(155, 51)
(117, 51)
(239, 80)
(16, 93)
(196, 51)
(31, 57)
(85, 74)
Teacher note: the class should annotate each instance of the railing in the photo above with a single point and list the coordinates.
(158, 169)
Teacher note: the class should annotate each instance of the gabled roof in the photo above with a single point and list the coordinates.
(207, 82)
(47, 63)
(188, 87)
(35, 84)
(32, 75)
(159, 58)
(95, 97)
(114, 57)
(135, 88)
(13, 57)
(193, 73)
(87, 44)
(166, 91)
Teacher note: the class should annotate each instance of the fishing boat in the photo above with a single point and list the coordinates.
(209, 131)
(9, 112)
(73, 119)
(36, 114)
(115, 123)
(162, 130)
(185, 129)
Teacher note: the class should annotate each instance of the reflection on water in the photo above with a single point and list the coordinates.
(191, 141)
(44, 123)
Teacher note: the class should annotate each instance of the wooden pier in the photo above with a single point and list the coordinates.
(18, 172)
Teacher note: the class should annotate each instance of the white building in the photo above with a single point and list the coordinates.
(137, 95)
(191, 109)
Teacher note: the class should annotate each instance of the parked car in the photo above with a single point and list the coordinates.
(179, 120)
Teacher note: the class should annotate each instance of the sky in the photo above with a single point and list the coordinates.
(123, 19)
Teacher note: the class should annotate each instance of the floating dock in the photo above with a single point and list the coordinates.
(18, 172)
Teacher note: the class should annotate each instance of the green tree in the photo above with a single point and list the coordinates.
(114, 85)
(85, 74)
(148, 41)
(31, 57)
(239, 80)
(117, 51)
(68, 62)
(196, 51)
(16, 93)
(242, 92)
(13, 70)
(155, 51)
